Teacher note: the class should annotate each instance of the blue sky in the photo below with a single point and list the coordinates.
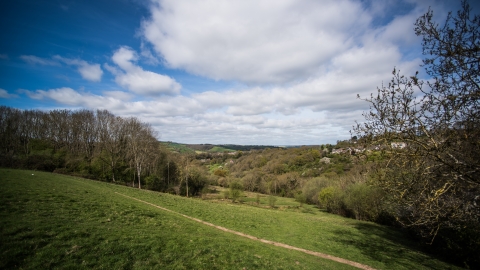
(281, 72)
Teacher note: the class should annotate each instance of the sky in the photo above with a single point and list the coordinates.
(251, 72)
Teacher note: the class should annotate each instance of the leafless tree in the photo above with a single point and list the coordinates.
(141, 144)
(434, 182)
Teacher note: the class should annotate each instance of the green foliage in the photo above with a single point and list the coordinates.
(226, 194)
(219, 149)
(196, 181)
(221, 172)
(312, 187)
(181, 148)
(272, 200)
(332, 198)
(325, 196)
(300, 197)
(257, 198)
(153, 182)
(364, 201)
(236, 189)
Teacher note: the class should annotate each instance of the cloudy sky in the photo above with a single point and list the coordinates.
(271, 72)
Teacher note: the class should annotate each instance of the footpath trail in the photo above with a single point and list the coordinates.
(278, 244)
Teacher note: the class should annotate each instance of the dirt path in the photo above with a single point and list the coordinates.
(314, 253)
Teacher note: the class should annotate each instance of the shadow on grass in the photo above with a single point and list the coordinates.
(390, 246)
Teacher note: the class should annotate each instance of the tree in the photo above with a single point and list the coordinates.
(236, 189)
(141, 142)
(112, 133)
(434, 182)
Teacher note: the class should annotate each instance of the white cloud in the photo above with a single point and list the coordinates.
(147, 55)
(71, 97)
(4, 56)
(253, 41)
(137, 80)
(90, 72)
(4, 94)
(115, 71)
(118, 95)
(298, 67)
(32, 59)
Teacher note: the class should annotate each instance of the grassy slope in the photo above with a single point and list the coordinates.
(220, 149)
(55, 221)
(181, 148)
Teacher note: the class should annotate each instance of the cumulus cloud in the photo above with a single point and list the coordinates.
(137, 80)
(253, 41)
(147, 55)
(90, 72)
(4, 94)
(71, 97)
(299, 64)
(35, 60)
(118, 95)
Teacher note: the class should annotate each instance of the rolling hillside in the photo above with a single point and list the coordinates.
(56, 221)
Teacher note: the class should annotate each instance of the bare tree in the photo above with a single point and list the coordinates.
(141, 143)
(112, 132)
(434, 182)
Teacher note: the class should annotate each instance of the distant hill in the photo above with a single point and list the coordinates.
(213, 148)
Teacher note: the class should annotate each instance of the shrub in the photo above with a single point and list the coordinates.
(220, 172)
(257, 199)
(272, 200)
(364, 201)
(312, 187)
(300, 197)
(236, 189)
(331, 198)
(153, 182)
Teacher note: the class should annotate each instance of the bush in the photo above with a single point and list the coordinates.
(236, 189)
(40, 162)
(196, 181)
(332, 198)
(220, 172)
(154, 182)
(226, 194)
(364, 201)
(300, 197)
(257, 199)
(272, 200)
(312, 187)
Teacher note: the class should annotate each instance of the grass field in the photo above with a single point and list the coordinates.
(56, 221)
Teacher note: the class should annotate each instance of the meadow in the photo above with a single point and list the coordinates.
(56, 221)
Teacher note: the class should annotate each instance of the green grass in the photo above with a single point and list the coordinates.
(181, 148)
(220, 149)
(56, 221)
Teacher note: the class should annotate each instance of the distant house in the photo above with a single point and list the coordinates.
(325, 160)
(398, 145)
(338, 151)
(342, 150)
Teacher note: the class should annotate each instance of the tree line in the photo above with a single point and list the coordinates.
(96, 145)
